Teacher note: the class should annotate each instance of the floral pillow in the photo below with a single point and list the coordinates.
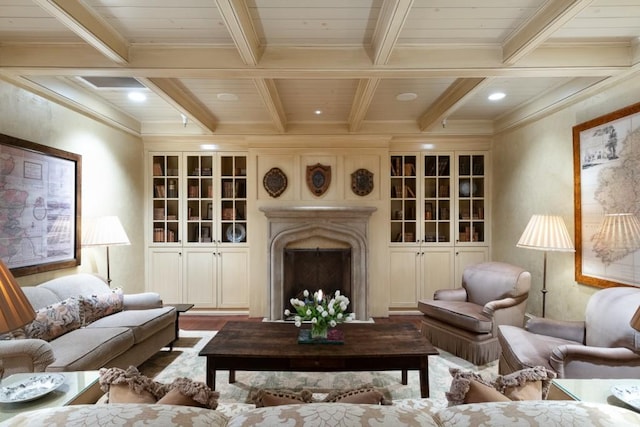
(55, 320)
(95, 307)
(16, 334)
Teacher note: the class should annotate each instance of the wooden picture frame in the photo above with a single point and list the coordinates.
(606, 180)
(40, 207)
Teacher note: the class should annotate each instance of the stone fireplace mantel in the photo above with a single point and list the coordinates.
(347, 226)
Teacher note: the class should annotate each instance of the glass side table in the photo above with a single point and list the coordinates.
(78, 388)
(592, 390)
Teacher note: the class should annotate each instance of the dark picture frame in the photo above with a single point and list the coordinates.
(605, 182)
(40, 190)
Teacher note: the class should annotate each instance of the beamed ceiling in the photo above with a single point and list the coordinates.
(266, 67)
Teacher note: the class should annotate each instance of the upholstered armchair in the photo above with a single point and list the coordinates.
(464, 321)
(604, 345)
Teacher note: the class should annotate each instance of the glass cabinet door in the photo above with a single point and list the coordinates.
(166, 198)
(200, 197)
(437, 198)
(233, 199)
(403, 198)
(471, 200)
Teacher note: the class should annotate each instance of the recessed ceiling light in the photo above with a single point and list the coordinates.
(406, 96)
(317, 112)
(137, 96)
(496, 96)
(227, 96)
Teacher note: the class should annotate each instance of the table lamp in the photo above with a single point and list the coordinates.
(15, 308)
(546, 233)
(104, 231)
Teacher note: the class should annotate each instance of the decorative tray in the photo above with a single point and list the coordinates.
(30, 389)
(629, 394)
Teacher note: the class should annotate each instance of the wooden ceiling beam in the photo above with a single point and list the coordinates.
(89, 27)
(361, 102)
(237, 18)
(390, 22)
(178, 96)
(447, 103)
(535, 31)
(271, 99)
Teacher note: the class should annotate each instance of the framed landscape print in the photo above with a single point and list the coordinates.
(606, 158)
(39, 207)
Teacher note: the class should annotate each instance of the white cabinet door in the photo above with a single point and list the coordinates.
(233, 278)
(200, 281)
(437, 271)
(165, 274)
(404, 277)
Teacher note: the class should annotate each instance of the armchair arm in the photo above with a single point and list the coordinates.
(457, 294)
(565, 329)
(492, 306)
(142, 301)
(582, 361)
(25, 355)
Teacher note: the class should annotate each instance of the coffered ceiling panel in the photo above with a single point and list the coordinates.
(270, 66)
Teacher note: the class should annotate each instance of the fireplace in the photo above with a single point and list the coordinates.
(303, 232)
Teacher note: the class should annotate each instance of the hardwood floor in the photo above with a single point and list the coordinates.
(199, 322)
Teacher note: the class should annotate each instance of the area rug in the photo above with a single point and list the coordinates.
(184, 361)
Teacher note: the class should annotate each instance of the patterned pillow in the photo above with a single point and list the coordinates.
(95, 307)
(281, 397)
(365, 394)
(55, 320)
(16, 334)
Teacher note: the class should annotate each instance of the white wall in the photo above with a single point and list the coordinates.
(533, 174)
(112, 177)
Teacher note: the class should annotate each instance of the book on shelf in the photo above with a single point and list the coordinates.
(159, 190)
(157, 169)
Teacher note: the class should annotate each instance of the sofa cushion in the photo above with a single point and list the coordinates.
(122, 414)
(40, 297)
(184, 391)
(55, 320)
(89, 348)
(76, 284)
(96, 306)
(536, 413)
(129, 386)
(281, 397)
(365, 394)
(143, 323)
(465, 315)
(334, 414)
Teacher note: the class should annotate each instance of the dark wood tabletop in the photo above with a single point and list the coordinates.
(273, 346)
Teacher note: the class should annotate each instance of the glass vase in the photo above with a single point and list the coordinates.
(319, 331)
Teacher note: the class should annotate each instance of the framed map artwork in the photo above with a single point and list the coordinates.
(39, 207)
(606, 164)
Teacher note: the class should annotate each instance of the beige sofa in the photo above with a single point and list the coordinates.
(111, 339)
(407, 412)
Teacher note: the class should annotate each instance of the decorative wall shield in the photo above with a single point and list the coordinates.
(318, 178)
(275, 182)
(362, 182)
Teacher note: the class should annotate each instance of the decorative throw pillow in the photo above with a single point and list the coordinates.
(281, 397)
(95, 307)
(130, 386)
(186, 392)
(365, 394)
(526, 384)
(55, 320)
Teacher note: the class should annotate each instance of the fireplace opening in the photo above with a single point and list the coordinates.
(313, 269)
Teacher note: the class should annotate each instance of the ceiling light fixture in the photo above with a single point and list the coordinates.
(496, 96)
(317, 112)
(227, 97)
(406, 96)
(137, 96)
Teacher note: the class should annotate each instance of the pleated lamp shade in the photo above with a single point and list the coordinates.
(619, 232)
(15, 308)
(546, 233)
(103, 231)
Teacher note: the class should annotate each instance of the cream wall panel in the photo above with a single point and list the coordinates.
(286, 163)
(351, 164)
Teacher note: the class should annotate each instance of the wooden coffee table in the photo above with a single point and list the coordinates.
(273, 346)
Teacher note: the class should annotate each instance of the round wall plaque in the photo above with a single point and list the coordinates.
(362, 182)
(275, 182)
